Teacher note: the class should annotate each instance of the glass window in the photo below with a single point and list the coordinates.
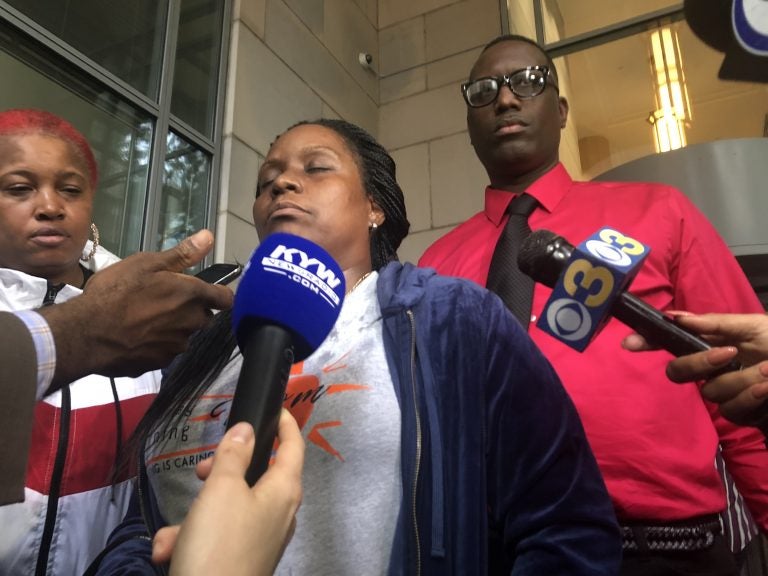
(186, 176)
(48, 51)
(119, 135)
(121, 202)
(125, 37)
(567, 18)
(614, 90)
(196, 66)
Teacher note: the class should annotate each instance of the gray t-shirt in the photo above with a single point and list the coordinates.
(344, 401)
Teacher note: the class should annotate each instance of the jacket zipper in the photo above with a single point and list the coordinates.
(415, 484)
(140, 478)
(56, 477)
(139, 482)
(58, 463)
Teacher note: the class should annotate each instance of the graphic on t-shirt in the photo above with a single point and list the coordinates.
(303, 391)
(194, 439)
(217, 410)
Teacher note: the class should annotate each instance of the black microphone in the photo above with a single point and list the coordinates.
(544, 257)
(286, 304)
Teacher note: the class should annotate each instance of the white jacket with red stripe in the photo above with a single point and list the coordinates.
(70, 504)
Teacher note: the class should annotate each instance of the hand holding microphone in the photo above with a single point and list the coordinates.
(742, 395)
(249, 534)
(286, 304)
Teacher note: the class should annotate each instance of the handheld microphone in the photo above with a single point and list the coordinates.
(286, 304)
(551, 260)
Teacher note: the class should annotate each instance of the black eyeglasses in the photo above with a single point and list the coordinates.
(525, 83)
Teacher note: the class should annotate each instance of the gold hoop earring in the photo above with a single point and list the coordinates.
(95, 233)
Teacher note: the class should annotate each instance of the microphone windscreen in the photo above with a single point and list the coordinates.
(292, 283)
(543, 256)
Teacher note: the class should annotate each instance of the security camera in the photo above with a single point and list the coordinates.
(365, 60)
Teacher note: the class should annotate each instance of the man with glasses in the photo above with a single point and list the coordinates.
(655, 442)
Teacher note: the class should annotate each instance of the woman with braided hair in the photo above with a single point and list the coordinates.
(72, 500)
(439, 440)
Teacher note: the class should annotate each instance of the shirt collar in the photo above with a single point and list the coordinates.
(548, 190)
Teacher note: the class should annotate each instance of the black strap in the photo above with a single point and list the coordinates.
(87, 273)
(51, 292)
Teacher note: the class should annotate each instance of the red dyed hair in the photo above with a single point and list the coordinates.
(31, 121)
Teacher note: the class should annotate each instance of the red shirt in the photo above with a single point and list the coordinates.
(655, 441)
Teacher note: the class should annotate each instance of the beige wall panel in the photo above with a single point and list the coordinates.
(251, 13)
(414, 245)
(370, 9)
(458, 180)
(329, 112)
(461, 26)
(393, 11)
(239, 180)
(451, 70)
(311, 13)
(269, 96)
(231, 80)
(235, 238)
(401, 47)
(421, 118)
(403, 84)
(413, 177)
(570, 155)
(222, 204)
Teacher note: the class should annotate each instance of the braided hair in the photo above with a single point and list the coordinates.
(378, 172)
(30, 121)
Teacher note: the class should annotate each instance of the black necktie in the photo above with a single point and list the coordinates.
(504, 277)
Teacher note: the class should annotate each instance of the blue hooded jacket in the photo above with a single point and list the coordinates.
(497, 474)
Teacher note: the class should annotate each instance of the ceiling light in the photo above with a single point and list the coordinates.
(673, 109)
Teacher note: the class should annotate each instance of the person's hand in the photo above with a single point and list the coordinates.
(744, 337)
(135, 315)
(231, 528)
(741, 395)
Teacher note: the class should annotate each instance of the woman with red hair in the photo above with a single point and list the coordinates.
(48, 177)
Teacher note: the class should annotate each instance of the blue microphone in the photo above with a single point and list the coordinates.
(589, 284)
(286, 304)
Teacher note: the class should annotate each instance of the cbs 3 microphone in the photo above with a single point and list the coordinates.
(589, 284)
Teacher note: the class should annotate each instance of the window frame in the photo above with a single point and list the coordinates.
(43, 40)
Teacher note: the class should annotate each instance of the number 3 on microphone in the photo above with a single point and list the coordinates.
(582, 274)
(625, 243)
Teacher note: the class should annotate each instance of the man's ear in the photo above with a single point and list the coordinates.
(563, 106)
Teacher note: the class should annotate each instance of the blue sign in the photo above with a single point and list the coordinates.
(750, 25)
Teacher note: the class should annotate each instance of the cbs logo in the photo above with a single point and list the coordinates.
(569, 319)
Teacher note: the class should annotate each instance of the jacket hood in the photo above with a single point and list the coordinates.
(101, 258)
(20, 291)
(401, 286)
